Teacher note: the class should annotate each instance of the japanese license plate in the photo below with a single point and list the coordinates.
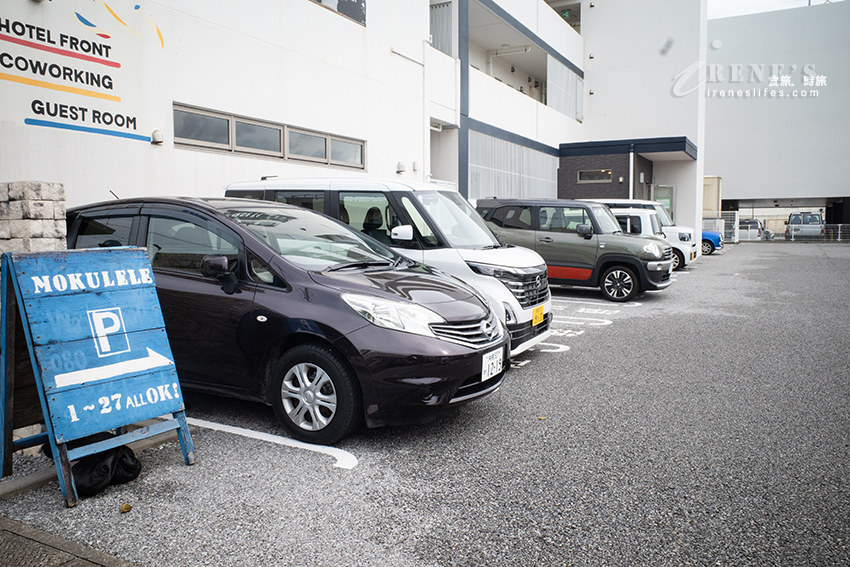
(491, 364)
(537, 316)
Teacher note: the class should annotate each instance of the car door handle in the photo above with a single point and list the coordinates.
(544, 239)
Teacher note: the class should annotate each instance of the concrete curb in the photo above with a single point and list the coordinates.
(25, 545)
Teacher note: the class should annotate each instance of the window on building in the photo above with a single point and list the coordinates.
(307, 146)
(346, 153)
(258, 137)
(221, 131)
(200, 128)
(594, 176)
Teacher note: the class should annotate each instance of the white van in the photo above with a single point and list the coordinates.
(436, 226)
(681, 238)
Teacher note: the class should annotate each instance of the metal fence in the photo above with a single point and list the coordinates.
(831, 233)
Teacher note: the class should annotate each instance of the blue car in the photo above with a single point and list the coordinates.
(711, 241)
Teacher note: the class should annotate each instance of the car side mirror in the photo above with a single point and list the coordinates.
(786, 222)
(218, 266)
(584, 230)
(403, 232)
(215, 265)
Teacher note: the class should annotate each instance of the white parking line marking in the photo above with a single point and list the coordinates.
(555, 348)
(583, 321)
(566, 333)
(344, 459)
(598, 311)
(592, 302)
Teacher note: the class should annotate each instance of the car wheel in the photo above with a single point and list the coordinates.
(678, 260)
(315, 395)
(619, 284)
(707, 247)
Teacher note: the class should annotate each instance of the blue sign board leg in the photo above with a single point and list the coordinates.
(7, 365)
(185, 438)
(66, 477)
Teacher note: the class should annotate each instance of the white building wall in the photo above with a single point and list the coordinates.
(287, 61)
(546, 24)
(772, 144)
(637, 50)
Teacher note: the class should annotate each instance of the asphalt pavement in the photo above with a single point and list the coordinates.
(705, 424)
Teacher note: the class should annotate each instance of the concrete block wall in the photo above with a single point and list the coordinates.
(32, 216)
(32, 219)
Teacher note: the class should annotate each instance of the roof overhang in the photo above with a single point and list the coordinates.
(654, 149)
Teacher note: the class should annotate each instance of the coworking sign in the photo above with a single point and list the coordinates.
(98, 344)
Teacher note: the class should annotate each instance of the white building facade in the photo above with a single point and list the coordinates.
(777, 113)
(183, 97)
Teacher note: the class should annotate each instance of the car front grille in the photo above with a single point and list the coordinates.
(474, 334)
(530, 289)
(668, 253)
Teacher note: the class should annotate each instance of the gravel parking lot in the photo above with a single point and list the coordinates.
(706, 424)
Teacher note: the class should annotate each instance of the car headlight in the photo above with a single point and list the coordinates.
(393, 314)
(685, 236)
(652, 249)
(498, 272)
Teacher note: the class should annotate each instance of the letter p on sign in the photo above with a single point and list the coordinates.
(107, 327)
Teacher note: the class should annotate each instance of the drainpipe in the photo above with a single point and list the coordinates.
(631, 171)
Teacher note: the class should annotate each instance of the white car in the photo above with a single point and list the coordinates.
(681, 238)
(639, 221)
(436, 226)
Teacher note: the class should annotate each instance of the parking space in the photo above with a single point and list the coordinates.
(708, 423)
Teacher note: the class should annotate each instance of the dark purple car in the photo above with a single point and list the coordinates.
(279, 304)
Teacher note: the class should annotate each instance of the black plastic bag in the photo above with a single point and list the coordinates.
(128, 466)
(93, 473)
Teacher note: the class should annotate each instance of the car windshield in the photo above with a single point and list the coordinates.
(312, 241)
(606, 219)
(663, 216)
(462, 226)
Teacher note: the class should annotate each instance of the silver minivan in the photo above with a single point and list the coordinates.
(434, 225)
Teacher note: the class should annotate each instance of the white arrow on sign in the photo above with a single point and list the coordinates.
(152, 360)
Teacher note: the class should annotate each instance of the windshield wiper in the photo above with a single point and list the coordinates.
(397, 262)
(352, 265)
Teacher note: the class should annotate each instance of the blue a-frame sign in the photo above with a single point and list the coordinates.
(98, 347)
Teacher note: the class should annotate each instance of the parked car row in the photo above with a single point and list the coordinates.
(680, 238)
(582, 244)
(279, 304)
(339, 302)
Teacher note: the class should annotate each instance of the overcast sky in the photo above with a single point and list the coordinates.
(726, 8)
